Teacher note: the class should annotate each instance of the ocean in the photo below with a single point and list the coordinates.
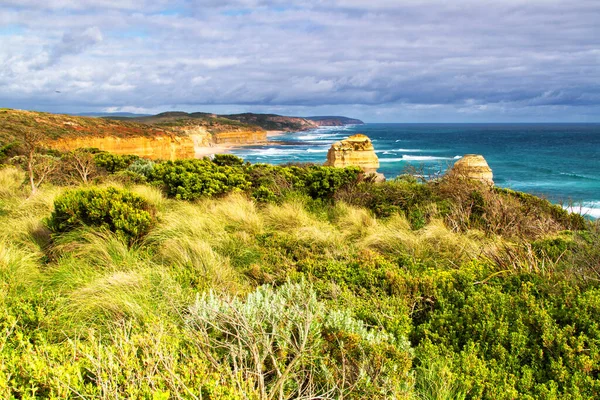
(560, 162)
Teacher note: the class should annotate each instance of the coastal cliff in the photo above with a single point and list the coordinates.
(356, 150)
(169, 137)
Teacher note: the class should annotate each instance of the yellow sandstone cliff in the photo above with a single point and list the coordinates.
(357, 150)
(473, 166)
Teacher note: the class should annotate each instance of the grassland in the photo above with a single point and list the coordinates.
(282, 284)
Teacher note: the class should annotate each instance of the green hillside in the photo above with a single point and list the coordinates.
(218, 279)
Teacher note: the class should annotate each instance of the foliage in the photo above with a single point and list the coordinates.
(227, 159)
(288, 346)
(114, 162)
(121, 212)
(191, 179)
(497, 297)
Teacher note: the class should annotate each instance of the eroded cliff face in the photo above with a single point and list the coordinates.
(189, 142)
(240, 137)
(357, 150)
(473, 166)
(158, 147)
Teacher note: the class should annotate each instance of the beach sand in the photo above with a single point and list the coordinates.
(210, 150)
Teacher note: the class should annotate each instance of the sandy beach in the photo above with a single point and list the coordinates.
(210, 150)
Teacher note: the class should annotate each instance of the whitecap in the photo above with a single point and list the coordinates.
(426, 158)
(587, 209)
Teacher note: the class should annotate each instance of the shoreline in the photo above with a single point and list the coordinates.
(207, 151)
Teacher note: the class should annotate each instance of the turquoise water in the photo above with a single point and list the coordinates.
(557, 161)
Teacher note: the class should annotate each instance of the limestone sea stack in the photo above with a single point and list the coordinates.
(473, 166)
(357, 150)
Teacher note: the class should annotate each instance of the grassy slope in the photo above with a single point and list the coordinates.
(55, 126)
(273, 122)
(64, 126)
(83, 314)
(212, 122)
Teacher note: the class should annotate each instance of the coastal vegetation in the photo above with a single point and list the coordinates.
(220, 279)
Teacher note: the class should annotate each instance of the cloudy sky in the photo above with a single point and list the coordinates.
(379, 60)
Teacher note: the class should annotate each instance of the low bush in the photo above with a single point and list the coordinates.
(289, 345)
(122, 212)
(112, 163)
(192, 179)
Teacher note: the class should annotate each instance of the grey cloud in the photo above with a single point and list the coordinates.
(466, 55)
(76, 42)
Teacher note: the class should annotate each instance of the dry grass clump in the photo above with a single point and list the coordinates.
(478, 206)
(433, 243)
(302, 227)
(19, 268)
(189, 236)
(11, 182)
(100, 249)
(152, 194)
(353, 222)
(236, 213)
(391, 236)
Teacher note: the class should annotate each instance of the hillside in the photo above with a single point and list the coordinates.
(273, 122)
(203, 278)
(61, 126)
(164, 136)
(335, 121)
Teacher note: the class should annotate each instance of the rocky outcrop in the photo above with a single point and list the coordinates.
(473, 166)
(357, 150)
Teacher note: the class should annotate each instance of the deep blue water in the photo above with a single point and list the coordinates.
(558, 161)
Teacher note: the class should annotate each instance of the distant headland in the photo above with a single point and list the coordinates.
(168, 135)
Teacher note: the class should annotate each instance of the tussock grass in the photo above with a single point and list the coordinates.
(11, 182)
(303, 228)
(19, 269)
(101, 249)
(113, 296)
(152, 194)
(354, 223)
(393, 236)
(235, 212)
(289, 216)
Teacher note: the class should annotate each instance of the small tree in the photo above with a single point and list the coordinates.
(81, 163)
(32, 142)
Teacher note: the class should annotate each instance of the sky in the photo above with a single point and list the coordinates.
(377, 60)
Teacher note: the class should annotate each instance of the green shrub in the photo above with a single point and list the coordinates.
(290, 345)
(323, 182)
(192, 179)
(389, 197)
(114, 162)
(119, 211)
(142, 167)
(227, 160)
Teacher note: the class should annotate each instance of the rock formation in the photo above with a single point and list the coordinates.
(473, 166)
(357, 150)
